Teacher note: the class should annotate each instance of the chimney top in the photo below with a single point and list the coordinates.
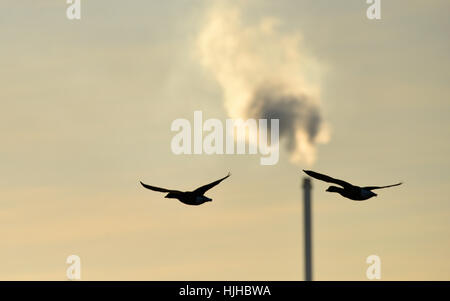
(307, 183)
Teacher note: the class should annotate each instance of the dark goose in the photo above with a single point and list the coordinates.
(348, 190)
(195, 197)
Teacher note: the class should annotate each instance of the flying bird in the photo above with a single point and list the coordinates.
(348, 190)
(195, 197)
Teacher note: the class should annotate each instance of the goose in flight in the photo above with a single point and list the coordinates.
(348, 190)
(195, 197)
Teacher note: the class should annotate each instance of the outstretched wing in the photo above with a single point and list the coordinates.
(157, 188)
(205, 188)
(326, 178)
(380, 187)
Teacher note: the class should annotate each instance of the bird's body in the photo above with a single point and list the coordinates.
(348, 190)
(188, 198)
(195, 197)
(354, 193)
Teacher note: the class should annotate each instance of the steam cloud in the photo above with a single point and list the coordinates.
(264, 74)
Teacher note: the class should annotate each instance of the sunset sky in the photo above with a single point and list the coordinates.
(86, 113)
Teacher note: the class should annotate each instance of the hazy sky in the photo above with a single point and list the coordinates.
(86, 110)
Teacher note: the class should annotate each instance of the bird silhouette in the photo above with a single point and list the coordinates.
(348, 190)
(195, 197)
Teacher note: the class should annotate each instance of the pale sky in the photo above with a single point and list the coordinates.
(86, 112)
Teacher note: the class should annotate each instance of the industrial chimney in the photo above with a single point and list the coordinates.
(307, 227)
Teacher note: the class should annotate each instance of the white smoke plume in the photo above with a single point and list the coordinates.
(265, 74)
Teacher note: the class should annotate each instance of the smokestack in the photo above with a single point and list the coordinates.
(308, 227)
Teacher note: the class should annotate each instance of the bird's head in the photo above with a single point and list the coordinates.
(333, 189)
(170, 195)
